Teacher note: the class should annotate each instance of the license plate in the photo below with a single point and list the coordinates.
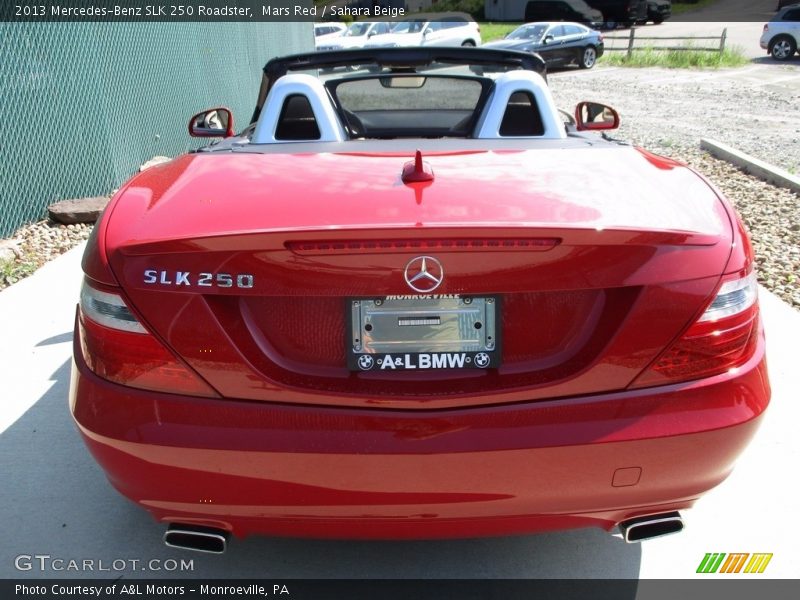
(410, 333)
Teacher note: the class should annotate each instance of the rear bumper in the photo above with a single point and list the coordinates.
(252, 467)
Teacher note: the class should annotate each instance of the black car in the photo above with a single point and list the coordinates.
(621, 12)
(576, 11)
(658, 11)
(559, 44)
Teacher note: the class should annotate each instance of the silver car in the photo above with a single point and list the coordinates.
(781, 36)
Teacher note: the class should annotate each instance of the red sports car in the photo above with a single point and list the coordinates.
(411, 301)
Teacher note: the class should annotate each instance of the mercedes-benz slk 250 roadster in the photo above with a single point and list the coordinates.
(410, 301)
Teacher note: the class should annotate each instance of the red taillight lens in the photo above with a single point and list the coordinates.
(722, 339)
(117, 347)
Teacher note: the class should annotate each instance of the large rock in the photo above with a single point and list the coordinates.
(8, 251)
(81, 210)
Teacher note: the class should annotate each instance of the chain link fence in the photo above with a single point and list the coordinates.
(82, 105)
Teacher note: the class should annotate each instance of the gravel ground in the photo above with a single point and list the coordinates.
(668, 112)
(37, 244)
(664, 111)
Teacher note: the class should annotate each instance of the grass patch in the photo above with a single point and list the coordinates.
(677, 59)
(13, 271)
(682, 7)
(496, 31)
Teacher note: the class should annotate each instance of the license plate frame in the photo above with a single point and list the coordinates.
(423, 333)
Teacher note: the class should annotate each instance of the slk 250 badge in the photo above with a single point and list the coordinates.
(186, 278)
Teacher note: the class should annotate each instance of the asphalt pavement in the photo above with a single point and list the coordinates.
(55, 501)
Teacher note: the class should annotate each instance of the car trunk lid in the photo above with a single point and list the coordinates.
(247, 265)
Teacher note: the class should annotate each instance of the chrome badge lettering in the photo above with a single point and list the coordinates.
(186, 279)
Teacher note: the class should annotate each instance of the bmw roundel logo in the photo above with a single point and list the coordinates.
(365, 362)
(482, 359)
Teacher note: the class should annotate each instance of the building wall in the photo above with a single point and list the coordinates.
(82, 105)
(505, 10)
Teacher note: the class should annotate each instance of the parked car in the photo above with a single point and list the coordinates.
(658, 11)
(781, 36)
(435, 29)
(417, 302)
(620, 12)
(785, 3)
(576, 11)
(559, 44)
(327, 30)
(356, 35)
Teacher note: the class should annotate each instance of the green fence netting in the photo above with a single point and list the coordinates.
(82, 105)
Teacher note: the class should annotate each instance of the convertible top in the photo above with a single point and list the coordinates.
(396, 58)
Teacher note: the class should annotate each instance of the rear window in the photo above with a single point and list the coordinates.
(792, 15)
(410, 106)
(434, 93)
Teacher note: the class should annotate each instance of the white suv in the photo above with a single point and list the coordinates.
(356, 36)
(781, 36)
(327, 30)
(434, 29)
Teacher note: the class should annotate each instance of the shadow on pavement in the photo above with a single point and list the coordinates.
(56, 339)
(769, 61)
(56, 501)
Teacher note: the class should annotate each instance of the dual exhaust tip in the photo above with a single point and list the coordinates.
(651, 526)
(215, 541)
(197, 538)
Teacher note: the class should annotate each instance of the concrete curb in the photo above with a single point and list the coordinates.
(759, 168)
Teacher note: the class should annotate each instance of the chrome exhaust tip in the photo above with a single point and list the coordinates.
(651, 526)
(197, 538)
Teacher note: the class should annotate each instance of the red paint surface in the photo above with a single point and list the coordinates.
(630, 250)
(311, 471)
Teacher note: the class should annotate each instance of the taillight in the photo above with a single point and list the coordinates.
(722, 339)
(117, 347)
(108, 309)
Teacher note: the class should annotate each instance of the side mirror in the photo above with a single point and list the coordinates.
(214, 122)
(547, 39)
(594, 116)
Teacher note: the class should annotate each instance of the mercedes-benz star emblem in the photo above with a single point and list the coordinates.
(424, 274)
